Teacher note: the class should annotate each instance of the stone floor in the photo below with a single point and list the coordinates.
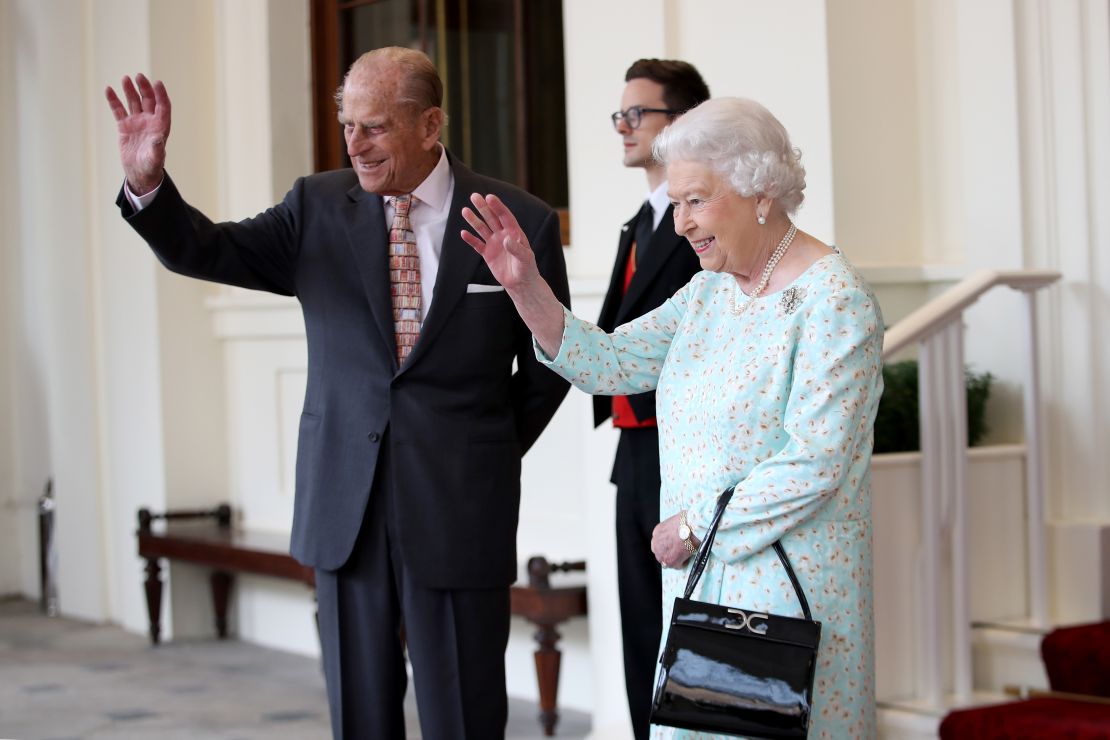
(62, 679)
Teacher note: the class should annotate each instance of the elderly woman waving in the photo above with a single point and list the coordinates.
(768, 372)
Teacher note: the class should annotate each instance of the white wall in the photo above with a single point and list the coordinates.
(1065, 143)
(189, 356)
(13, 518)
(978, 134)
(131, 443)
(875, 131)
(971, 116)
(118, 376)
(777, 54)
(55, 346)
(1063, 48)
(737, 46)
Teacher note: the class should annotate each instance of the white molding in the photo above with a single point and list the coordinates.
(588, 288)
(910, 274)
(897, 723)
(984, 452)
(255, 316)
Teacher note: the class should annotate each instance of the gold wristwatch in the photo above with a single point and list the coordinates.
(684, 532)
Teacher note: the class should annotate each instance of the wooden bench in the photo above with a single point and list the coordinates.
(206, 537)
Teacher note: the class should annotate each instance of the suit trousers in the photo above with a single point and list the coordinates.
(456, 640)
(639, 579)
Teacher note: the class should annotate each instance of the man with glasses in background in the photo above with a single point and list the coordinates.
(652, 264)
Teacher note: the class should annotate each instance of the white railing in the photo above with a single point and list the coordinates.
(937, 330)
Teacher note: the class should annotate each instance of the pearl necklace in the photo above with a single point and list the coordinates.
(780, 250)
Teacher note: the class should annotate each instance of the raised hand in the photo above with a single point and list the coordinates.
(501, 242)
(144, 127)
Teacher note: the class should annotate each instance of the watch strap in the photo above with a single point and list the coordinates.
(688, 541)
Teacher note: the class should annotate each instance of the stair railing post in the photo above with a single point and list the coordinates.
(956, 451)
(929, 648)
(1034, 471)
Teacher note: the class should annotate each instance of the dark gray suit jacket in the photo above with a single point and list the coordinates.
(668, 264)
(458, 418)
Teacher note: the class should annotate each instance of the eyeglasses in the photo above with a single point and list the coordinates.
(634, 115)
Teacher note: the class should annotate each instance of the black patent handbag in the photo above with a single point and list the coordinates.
(736, 671)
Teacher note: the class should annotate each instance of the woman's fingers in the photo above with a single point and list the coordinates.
(665, 545)
(482, 204)
(494, 224)
(496, 219)
(502, 212)
(469, 238)
(476, 223)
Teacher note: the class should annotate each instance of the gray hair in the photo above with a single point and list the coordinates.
(744, 143)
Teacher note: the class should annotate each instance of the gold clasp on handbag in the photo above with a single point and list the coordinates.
(744, 622)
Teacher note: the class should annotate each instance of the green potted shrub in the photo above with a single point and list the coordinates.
(897, 426)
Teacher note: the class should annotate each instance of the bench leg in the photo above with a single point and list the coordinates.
(153, 588)
(548, 660)
(221, 587)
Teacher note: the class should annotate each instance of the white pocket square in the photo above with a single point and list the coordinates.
(481, 288)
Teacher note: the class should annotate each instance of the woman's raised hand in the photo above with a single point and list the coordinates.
(144, 127)
(501, 242)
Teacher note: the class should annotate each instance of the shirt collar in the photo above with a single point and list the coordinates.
(436, 187)
(659, 201)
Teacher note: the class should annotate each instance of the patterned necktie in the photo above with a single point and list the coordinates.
(404, 278)
(645, 226)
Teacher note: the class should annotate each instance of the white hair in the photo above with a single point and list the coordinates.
(744, 143)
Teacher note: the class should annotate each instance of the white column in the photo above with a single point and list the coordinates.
(243, 158)
(602, 191)
(18, 569)
(1064, 117)
(57, 375)
(956, 452)
(776, 53)
(1034, 473)
(1066, 114)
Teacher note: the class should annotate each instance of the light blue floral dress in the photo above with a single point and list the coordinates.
(780, 399)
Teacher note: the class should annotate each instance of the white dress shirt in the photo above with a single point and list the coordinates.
(659, 203)
(431, 207)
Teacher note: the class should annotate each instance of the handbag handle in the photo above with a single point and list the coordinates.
(702, 555)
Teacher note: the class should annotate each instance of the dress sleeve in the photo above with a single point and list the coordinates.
(625, 362)
(828, 421)
(536, 392)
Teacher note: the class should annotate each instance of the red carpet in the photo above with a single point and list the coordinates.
(1077, 661)
(1055, 719)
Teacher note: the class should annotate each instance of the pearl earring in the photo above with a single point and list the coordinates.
(761, 221)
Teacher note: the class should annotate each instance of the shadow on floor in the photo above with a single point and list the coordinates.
(61, 679)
